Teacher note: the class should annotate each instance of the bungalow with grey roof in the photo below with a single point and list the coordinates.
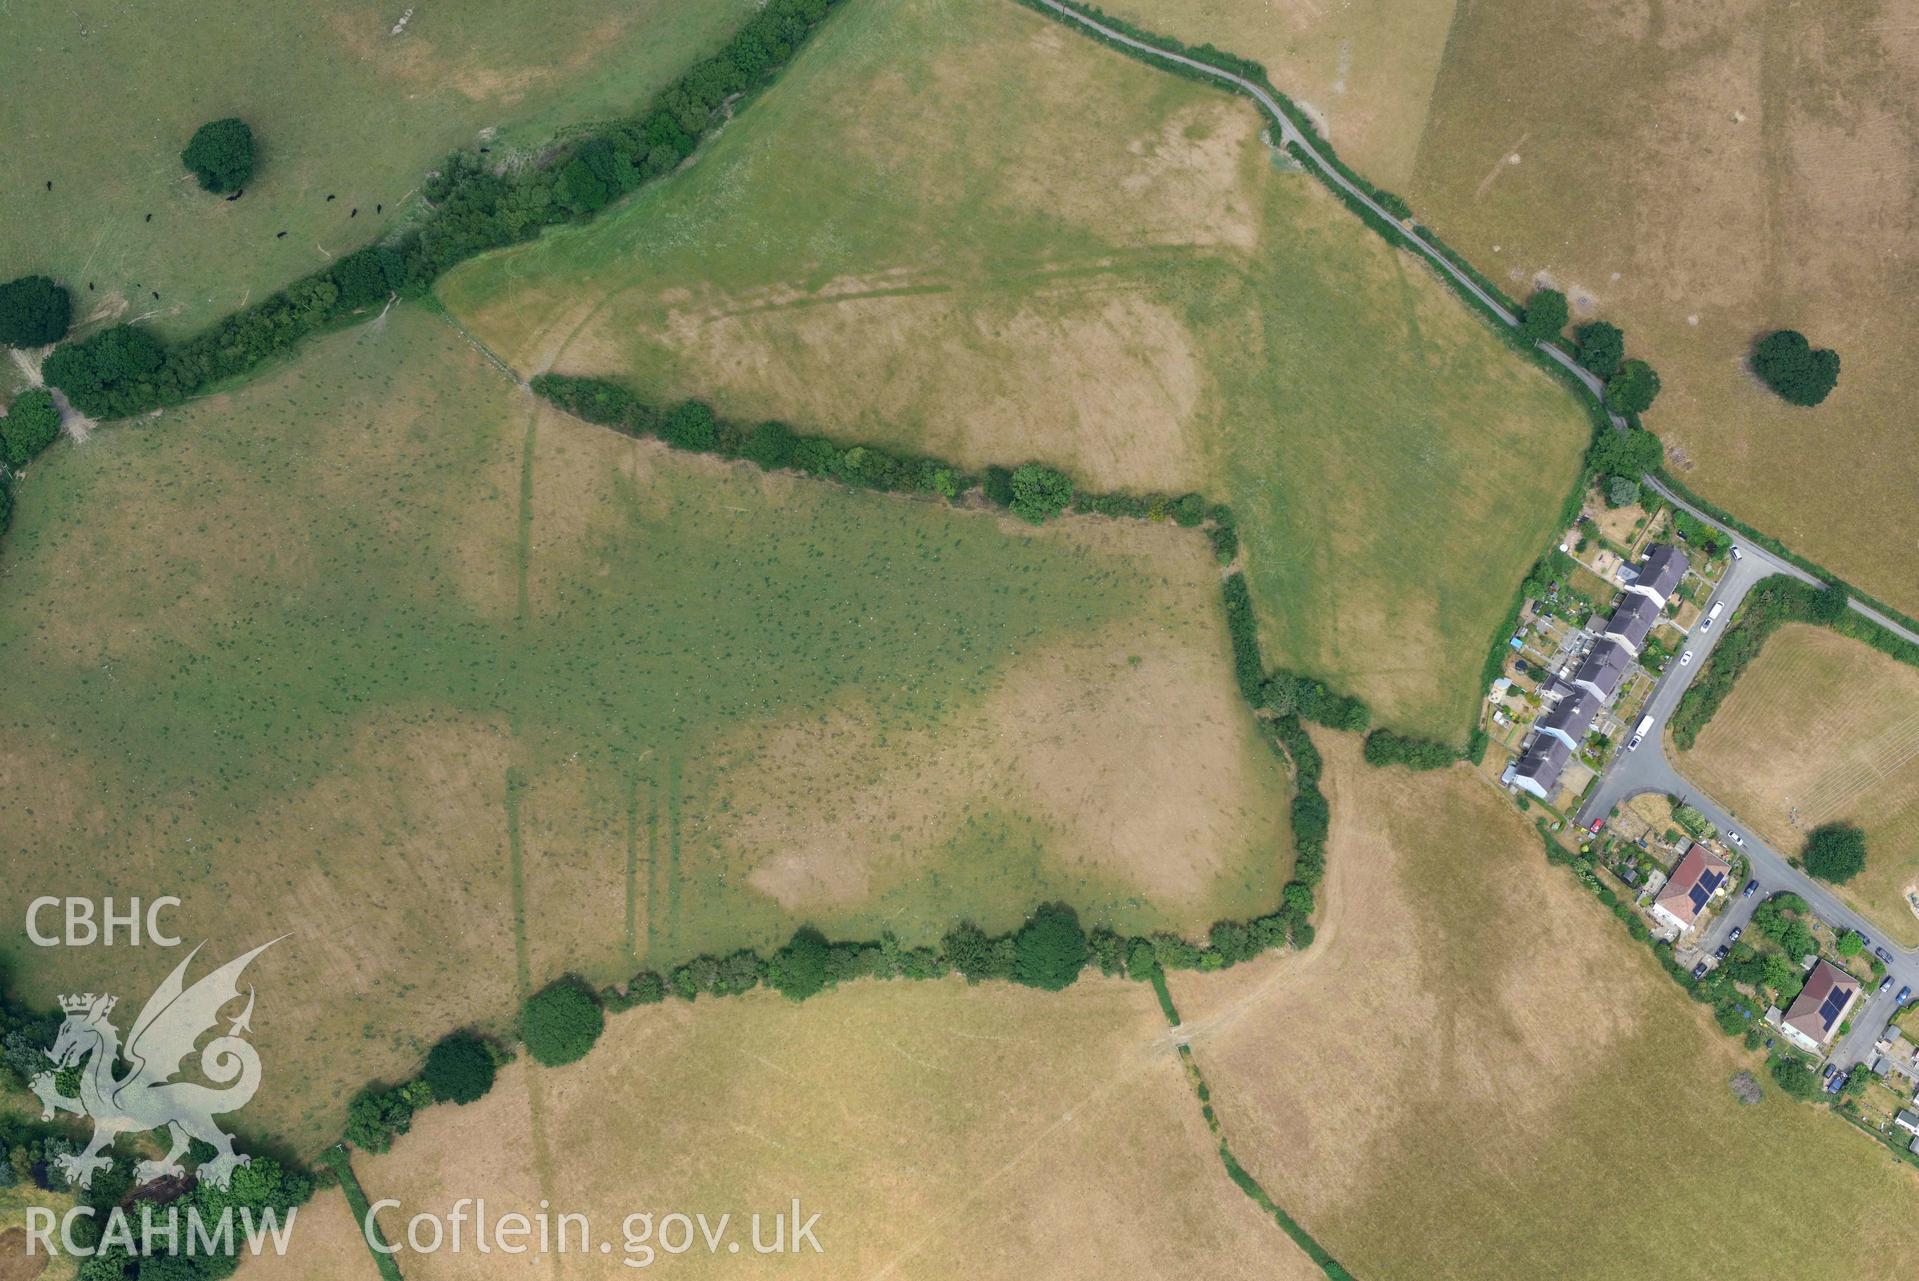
(1632, 620)
(1657, 576)
(1604, 669)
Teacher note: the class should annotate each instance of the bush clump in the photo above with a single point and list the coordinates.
(459, 1069)
(220, 155)
(32, 423)
(561, 1021)
(34, 311)
(1384, 747)
(1801, 373)
(1049, 950)
(1039, 493)
(1835, 852)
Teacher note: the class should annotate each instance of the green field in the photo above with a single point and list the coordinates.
(1105, 268)
(101, 97)
(468, 694)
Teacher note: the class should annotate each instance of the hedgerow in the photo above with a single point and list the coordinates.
(473, 206)
(1384, 747)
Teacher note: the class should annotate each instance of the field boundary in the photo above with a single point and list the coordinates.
(337, 1160)
(1771, 604)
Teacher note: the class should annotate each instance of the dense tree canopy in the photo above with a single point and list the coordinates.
(32, 423)
(561, 1021)
(1545, 315)
(1050, 949)
(220, 155)
(1793, 367)
(1039, 493)
(1633, 389)
(1601, 347)
(1836, 852)
(34, 311)
(799, 969)
(460, 1068)
(1630, 453)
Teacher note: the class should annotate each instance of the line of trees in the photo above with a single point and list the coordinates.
(473, 208)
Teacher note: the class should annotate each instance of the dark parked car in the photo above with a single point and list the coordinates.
(1737, 930)
(1830, 1069)
(1882, 954)
(1725, 950)
(1699, 970)
(1750, 887)
(1885, 985)
(1905, 994)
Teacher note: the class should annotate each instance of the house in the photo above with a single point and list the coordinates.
(1604, 669)
(1554, 688)
(1632, 620)
(1820, 1007)
(1539, 769)
(1656, 576)
(1571, 720)
(1699, 875)
(1907, 1121)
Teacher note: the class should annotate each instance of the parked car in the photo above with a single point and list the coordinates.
(1881, 953)
(1736, 838)
(1699, 970)
(1725, 950)
(1905, 994)
(1685, 659)
(1632, 744)
(1736, 553)
(1737, 930)
(1837, 1083)
(1598, 823)
(1712, 616)
(1885, 984)
(1751, 887)
(1830, 1069)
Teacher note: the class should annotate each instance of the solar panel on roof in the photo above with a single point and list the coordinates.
(1699, 896)
(1835, 1001)
(1710, 882)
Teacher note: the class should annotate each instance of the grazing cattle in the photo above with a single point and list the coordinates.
(354, 214)
(49, 184)
(281, 236)
(149, 217)
(378, 208)
(329, 197)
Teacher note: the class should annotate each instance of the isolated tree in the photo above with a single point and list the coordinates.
(1835, 852)
(1601, 347)
(1850, 943)
(220, 155)
(1545, 316)
(1633, 389)
(459, 1069)
(1801, 373)
(31, 424)
(561, 1021)
(799, 968)
(1039, 493)
(34, 311)
(1621, 492)
(1050, 949)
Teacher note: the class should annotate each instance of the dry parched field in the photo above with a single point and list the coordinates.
(1476, 1073)
(1106, 270)
(990, 1128)
(1825, 729)
(467, 694)
(1702, 174)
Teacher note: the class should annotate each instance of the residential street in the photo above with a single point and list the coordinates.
(1647, 769)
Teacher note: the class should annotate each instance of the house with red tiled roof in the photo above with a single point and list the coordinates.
(1700, 875)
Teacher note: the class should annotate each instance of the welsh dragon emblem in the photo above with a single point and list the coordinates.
(147, 1097)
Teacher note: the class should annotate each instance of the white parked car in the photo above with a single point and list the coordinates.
(1736, 553)
(1736, 838)
(1685, 659)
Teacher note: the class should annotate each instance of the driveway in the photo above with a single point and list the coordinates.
(1647, 769)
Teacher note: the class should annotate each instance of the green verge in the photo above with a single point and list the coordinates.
(356, 1199)
(1770, 605)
